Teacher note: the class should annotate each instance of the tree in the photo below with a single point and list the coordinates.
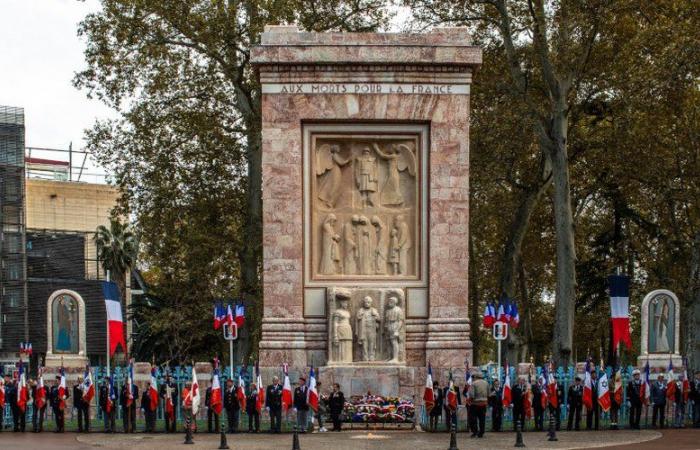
(117, 248)
(178, 72)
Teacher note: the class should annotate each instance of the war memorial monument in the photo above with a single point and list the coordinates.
(365, 204)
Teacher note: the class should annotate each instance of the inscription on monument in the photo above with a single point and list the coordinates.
(366, 88)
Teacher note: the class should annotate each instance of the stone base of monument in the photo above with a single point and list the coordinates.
(658, 362)
(67, 361)
(377, 379)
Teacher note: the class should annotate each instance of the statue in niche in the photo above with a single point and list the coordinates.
(393, 325)
(342, 330)
(365, 247)
(65, 324)
(329, 162)
(381, 248)
(400, 246)
(366, 328)
(660, 318)
(400, 158)
(351, 250)
(366, 177)
(330, 251)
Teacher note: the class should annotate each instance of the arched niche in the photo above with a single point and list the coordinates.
(660, 311)
(65, 337)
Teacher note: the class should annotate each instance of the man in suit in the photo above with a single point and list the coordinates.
(58, 405)
(575, 404)
(129, 410)
(658, 401)
(301, 405)
(695, 398)
(233, 409)
(149, 413)
(273, 404)
(109, 417)
(18, 416)
(78, 402)
(38, 413)
(251, 409)
(519, 393)
(496, 403)
(634, 399)
(169, 387)
(538, 390)
(336, 404)
(593, 415)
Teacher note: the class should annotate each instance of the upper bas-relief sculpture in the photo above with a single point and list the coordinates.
(366, 325)
(365, 207)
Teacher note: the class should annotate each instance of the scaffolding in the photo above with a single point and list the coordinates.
(14, 326)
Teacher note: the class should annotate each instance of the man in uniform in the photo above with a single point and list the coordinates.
(301, 405)
(109, 417)
(38, 413)
(273, 404)
(212, 416)
(519, 413)
(538, 390)
(658, 401)
(634, 399)
(18, 416)
(168, 391)
(575, 404)
(233, 409)
(129, 410)
(496, 403)
(58, 405)
(593, 415)
(78, 402)
(149, 412)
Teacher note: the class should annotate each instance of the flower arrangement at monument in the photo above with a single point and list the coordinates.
(376, 409)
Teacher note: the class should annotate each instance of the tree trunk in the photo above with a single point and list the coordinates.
(562, 342)
(691, 316)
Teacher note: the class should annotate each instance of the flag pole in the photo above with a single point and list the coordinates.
(107, 333)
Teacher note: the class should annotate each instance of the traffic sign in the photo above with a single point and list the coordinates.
(500, 331)
(232, 334)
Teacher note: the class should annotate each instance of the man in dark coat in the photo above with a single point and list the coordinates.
(301, 405)
(575, 404)
(519, 393)
(129, 410)
(273, 404)
(593, 415)
(169, 386)
(336, 404)
(58, 405)
(694, 396)
(212, 416)
(38, 413)
(149, 412)
(233, 409)
(436, 412)
(634, 399)
(538, 390)
(109, 417)
(450, 414)
(560, 400)
(658, 401)
(18, 416)
(496, 404)
(78, 402)
(251, 409)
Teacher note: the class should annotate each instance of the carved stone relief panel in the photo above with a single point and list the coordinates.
(366, 325)
(365, 206)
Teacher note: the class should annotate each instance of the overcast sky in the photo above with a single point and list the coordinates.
(39, 54)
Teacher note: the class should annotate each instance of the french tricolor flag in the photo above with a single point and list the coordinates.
(239, 316)
(153, 390)
(312, 393)
(115, 321)
(619, 309)
(62, 390)
(286, 389)
(489, 315)
(22, 389)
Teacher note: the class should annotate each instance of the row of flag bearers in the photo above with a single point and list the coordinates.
(532, 400)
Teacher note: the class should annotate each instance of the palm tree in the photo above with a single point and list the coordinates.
(117, 247)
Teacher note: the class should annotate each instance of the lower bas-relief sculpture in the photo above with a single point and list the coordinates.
(366, 326)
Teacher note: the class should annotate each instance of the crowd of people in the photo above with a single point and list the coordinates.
(526, 401)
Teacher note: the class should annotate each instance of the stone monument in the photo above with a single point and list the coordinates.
(365, 204)
(660, 330)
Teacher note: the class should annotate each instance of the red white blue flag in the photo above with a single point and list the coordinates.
(489, 315)
(619, 309)
(153, 390)
(507, 397)
(588, 387)
(22, 389)
(88, 386)
(239, 316)
(215, 399)
(115, 320)
(429, 393)
(312, 392)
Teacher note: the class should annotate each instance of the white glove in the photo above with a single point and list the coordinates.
(267, 408)
(295, 410)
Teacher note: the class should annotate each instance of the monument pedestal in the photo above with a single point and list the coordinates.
(365, 140)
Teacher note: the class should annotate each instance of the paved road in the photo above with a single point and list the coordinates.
(356, 440)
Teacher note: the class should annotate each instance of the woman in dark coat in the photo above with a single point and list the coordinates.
(336, 403)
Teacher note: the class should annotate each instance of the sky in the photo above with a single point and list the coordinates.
(39, 54)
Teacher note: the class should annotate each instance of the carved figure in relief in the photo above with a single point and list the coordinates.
(342, 331)
(393, 324)
(366, 177)
(330, 251)
(403, 244)
(329, 162)
(365, 246)
(366, 328)
(380, 249)
(394, 251)
(351, 250)
(400, 158)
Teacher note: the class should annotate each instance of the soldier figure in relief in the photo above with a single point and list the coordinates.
(393, 324)
(366, 328)
(366, 177)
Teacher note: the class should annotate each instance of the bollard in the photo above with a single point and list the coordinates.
(552, 434)
(453, 438)
(188, 430)
(519, 434)
(295, 440)
(223, 444)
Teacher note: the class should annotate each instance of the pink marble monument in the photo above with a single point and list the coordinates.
(365, 204)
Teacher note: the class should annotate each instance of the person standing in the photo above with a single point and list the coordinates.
(233, 409)
(38, 413)
(58, 405)
(520, 391)
(273, 404)
(322, 408)
(108, 413)
(18, 416)
(3, 398)
(251, 409)
(658, 401)
(436, 412)
(129, 407)
(679, 404)
(538, 391)
(301, 405)
(593, 415)
(496, 403)
(634, 399)
(575, 405)
(78, 402)
(450, 413)
(212, 416)
(336, 404)
(168, 392)
(480, 395)
(149, 412)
